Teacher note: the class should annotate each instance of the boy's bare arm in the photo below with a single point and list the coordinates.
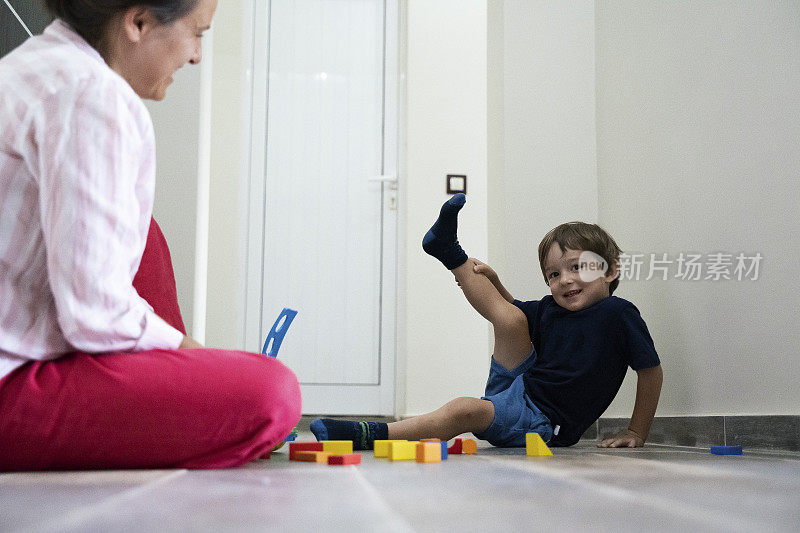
(648, 390)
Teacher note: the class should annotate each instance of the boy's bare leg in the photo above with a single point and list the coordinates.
(462, 415)
(512, 342)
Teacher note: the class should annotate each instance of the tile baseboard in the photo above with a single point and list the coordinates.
(778, 432)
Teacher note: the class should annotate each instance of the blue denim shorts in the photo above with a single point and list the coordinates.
(514, 412)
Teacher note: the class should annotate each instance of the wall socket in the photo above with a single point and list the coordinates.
(456, 183)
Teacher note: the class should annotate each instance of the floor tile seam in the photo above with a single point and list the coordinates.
(76, 517)
(692, 512)
(687, 469)
(394, 520)
(752, 452)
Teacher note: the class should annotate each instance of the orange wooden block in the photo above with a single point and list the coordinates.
(311, 457)
(469, 446)
(429, 440)
(429, 452)
(295, 447)
(345, 459)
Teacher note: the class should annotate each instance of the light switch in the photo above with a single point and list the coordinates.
(456, 183)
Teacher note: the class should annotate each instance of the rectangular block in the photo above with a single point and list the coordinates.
(348, 459)
(382, 447)
(429, 452)
(338, 447)
(295, 447)
(311, 457)
(442, 443)
(535, 446)
(403, 451)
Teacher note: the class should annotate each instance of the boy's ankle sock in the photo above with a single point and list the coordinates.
(363, 434)
(441, 241)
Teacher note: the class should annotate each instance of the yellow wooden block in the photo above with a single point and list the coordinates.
(469, 446)
(382, 447)
(429, 452)
(312, 457)
(337, 447)
(535, 446)
(403, 451)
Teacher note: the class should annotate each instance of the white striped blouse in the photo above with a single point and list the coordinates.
(77, 178)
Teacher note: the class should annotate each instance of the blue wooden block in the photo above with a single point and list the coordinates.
(278, 331)
(726, 450)
(444, 450)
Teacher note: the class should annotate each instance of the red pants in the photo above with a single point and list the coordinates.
(200, 408)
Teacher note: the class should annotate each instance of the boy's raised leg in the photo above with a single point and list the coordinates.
(512, 341)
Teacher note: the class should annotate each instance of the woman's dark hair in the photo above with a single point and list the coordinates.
(89, 18)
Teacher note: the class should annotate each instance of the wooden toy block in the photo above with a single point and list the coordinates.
(535, 446)
(346, 459)
(442, 443)
(456, 447)
(403, 451)
(469, 446)
(382, 447)
(429, 452)
(338, 447)
(726, 450)
(295, 447)
(311, 457)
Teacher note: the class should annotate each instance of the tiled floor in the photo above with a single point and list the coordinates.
(580, 488)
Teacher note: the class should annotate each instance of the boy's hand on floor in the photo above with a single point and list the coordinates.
(624, 439)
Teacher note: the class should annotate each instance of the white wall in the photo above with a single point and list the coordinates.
(684, 139)
(547, 171)
(444, 342)
(176, 121)
(698, 124)
(230, 153)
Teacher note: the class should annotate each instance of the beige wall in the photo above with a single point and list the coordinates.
(442, 341)
(698, 121)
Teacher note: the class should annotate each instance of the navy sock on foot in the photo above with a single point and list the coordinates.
(441, 241)
(363, 434)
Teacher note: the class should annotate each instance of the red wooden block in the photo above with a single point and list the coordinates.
(348, 459)
(295, 447)
(266, 455)
(455, 448)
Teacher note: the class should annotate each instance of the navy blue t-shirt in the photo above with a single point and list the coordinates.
(581, 359)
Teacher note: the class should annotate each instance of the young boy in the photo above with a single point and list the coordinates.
(557, 363)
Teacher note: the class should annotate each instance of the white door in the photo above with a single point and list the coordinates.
(323, 196)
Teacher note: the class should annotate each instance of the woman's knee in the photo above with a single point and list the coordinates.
(277, 396)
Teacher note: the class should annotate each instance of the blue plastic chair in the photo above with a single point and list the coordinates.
(278, 331)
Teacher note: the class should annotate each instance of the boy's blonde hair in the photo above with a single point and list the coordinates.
(581, 236)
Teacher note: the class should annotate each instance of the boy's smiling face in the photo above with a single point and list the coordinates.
(569, 288)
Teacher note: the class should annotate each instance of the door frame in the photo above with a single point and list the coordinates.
(340, 399)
